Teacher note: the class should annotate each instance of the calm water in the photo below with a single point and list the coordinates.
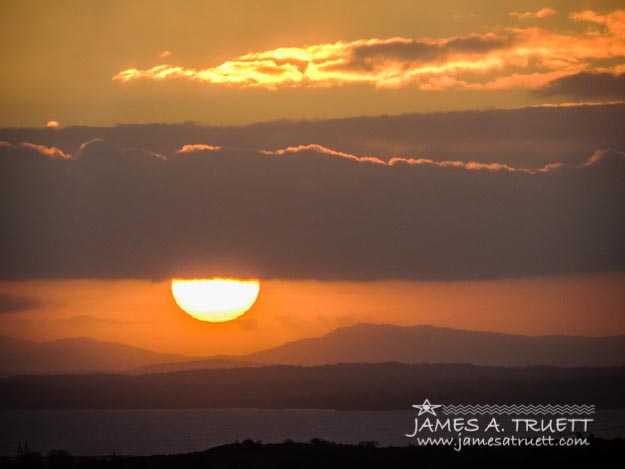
(162, 431)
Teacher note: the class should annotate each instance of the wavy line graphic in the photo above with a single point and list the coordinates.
(519, 409)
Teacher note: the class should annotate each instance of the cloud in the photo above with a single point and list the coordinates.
(585, 85)
(529, 138)
(604, 157)
(306, 211)
(324, 151)
(505, 58)
(614, 21)
(595, 158)
(470, 166)
(542, 13)
(10, 303)
(198, 147)
(164, 54)
(34, 149)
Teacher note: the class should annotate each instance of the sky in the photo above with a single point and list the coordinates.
(453, 163)
(236, 62)
(142, 313)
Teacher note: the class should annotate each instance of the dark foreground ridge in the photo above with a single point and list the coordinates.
(322, 454)
(347, 386)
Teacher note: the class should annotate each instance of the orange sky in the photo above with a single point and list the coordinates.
(102, 63)
(143, 313)
(241, 61)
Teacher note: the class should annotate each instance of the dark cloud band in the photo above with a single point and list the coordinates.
(10, 303)
(305, 213)
(587, 86)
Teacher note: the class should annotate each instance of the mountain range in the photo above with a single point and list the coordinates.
(74, 355)
(361, 343)
(375, 343)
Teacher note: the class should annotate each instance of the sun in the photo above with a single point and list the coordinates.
(215, 299)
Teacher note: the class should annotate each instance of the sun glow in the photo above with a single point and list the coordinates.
(215, 300)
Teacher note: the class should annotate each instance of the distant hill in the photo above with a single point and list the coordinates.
(362, 343)
(77, 355)
(427, 344)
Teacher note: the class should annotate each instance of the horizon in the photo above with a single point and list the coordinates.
(340, 328)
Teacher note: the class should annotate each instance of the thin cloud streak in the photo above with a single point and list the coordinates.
(54, 152)
(470, 166)
(51, 152)
(10, 303)
(542, 13)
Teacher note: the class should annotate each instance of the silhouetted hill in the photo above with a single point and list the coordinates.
(348, 386)
(427, 344)
(366, 455)
(362, 343)
(74, 355)
(379, 343)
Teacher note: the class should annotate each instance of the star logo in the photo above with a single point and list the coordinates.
(427, 407)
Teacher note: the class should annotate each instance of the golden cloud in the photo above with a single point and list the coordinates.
(508, 58)
(542, 13)
(198, 147)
